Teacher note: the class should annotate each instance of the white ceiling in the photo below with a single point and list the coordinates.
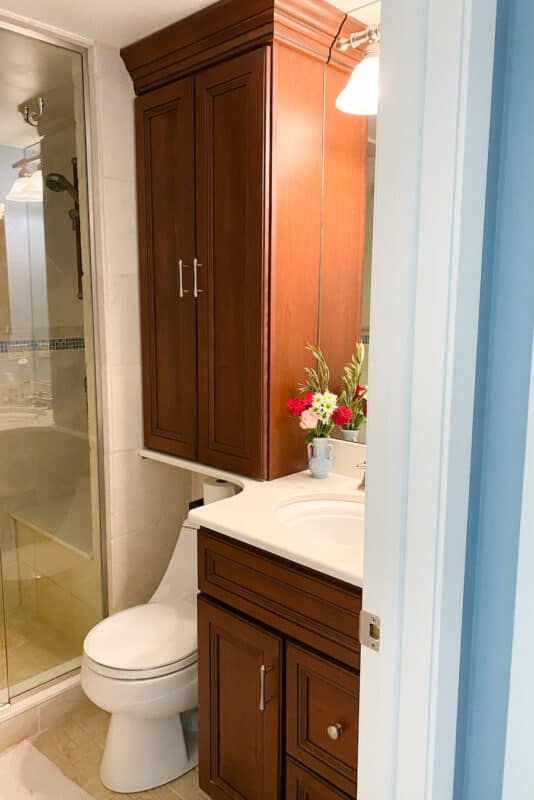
(28, 68)
(120, 22)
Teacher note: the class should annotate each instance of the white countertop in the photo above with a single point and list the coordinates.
(250, 517)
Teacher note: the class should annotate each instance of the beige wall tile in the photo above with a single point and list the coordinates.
(125, 407)
(143, 494)
(55, 561)
(54, 606)
(123, 324)
(28, 591)
(25, 544)
(84, 618)
(86, 584)
(138, 563)
(120, 226)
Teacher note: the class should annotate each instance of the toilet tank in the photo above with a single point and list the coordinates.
(180, 579)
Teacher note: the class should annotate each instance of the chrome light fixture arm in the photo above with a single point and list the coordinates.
(370, 36)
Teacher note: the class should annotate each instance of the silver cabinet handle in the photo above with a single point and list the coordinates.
(196, 290)
(181, 290)
(263, 671)
(334, 731)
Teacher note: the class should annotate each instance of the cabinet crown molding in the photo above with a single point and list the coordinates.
(231, 26)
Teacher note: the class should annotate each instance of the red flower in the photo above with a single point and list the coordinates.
(308, 399)
(341, 415)
(364, 408)
(295, 406)
(359, 391)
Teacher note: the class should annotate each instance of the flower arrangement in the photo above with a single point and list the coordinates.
(353, 395)
(318, 409)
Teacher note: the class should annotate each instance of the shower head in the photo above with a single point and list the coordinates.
(59, 183)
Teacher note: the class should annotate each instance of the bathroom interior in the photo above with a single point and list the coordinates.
(178, 222)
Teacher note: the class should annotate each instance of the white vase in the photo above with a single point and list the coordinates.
(320, 457)
(349, 435)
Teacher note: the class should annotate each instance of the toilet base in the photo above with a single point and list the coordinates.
(142, 753)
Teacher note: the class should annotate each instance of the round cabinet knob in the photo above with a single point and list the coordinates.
(334, 731)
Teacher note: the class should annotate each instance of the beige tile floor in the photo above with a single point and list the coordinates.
(33, 647)
(75, 744)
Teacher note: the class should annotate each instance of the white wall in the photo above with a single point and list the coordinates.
(145, 501)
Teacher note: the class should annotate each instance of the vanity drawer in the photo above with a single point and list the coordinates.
(302, 785)
(319, 611)
(322, 716)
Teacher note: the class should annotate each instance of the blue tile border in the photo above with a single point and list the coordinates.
(68, 343)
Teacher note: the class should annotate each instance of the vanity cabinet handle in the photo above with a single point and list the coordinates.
(334, 731)
(181, 290)
(263, 671)
(196, 290)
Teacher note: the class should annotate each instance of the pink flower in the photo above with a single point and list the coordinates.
(341, 415)
(295, 406)
(308, 420)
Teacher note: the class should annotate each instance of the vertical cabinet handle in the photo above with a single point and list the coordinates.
(181, 290)
(196, 290)
(263, 671)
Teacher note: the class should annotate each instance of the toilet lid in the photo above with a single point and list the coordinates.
(145, 637)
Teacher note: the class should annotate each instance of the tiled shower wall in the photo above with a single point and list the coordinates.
(145, 501)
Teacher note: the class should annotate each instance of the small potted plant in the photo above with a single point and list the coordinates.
(354, 395)
(318, 411)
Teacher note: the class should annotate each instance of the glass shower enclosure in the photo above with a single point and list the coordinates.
(51, 587)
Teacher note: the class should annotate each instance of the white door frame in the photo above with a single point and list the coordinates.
(432, 149)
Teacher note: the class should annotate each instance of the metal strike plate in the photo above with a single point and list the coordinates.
(369, 630)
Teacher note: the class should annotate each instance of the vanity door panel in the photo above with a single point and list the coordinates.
(239, 706)
(165, 191)
(231, 146)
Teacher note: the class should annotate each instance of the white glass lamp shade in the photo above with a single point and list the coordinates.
(27, 188)
(360, 96)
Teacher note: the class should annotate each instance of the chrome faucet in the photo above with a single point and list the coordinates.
(363, 466)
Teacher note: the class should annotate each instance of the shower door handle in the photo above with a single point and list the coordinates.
(181, 290)
(196, 290)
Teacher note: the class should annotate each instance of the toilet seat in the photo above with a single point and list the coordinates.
(145, 641)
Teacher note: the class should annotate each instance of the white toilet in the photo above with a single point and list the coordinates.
(140, 665)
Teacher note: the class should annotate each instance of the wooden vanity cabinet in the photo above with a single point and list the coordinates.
(278, 712)
(251, 192)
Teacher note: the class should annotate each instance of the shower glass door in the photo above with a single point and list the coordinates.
(50, 537)
(4, 695)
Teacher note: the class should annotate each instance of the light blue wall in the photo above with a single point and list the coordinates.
(506, 326)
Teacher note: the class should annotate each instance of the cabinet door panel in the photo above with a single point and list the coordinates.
(231, 152)
(240, 745)
(165, 158)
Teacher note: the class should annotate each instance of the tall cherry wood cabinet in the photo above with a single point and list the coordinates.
(251, 198)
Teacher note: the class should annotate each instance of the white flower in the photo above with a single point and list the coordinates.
(324, 405)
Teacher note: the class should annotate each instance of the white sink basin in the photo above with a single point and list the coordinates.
(336, 521)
